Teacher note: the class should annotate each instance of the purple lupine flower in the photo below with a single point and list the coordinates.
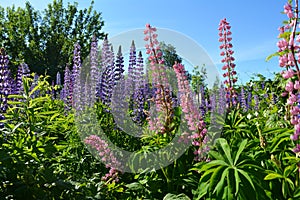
(76, 82)
(249, 99)
(67, 89)
(58, 78)
(139, 92)
(108, 81)
(23, 71)
(262, 85)
(119, 67)
(87, 100)
(202, 106)
(94, 75)
(107, 73)
(243, 102)
(19, 83)
(222, 100)
(256, 102)
(4, 85)
(130, 82)
(213, 105)
(105, 53)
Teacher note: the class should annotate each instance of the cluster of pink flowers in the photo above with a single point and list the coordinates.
(162, 98)
(227, 53)
(192, 115)
(106, 155)
(289, 51)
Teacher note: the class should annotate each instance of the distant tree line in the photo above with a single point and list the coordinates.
(45, 39)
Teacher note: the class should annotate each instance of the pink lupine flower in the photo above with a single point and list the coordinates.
(227, 53)
(191, 114)
(288, 10)
(289, 86)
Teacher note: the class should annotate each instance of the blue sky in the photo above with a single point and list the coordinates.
(254, 25)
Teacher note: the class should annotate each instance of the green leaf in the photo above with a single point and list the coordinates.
(272, 176)
(215, 178)
(241, 148)
(245, 174)
(237, 181)
(226, 149)
(220, 186)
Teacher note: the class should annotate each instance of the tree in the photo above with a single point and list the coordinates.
(45, 40)
(198, 80)
(170, 55)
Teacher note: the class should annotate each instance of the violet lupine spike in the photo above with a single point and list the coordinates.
(222, 100)
(139, 92)
(202, 106)
(130, 82)
(58, 78)
(95, 71)
(119, 67)
(76, 81)
(107, 73)
(67, 89)
(4, 85)
(249, 100)
(243, 102)
(87, 100)
(256, 102)
(108, 80)
(19, 83)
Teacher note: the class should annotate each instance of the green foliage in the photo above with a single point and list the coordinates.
(232, 174)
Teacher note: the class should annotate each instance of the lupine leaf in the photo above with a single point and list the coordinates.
(241, 148)
(226, 149)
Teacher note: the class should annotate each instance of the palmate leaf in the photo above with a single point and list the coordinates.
(237, 181)
(220, 186)
(225, 147)
(245, 174)
(216, 155)
(240, 150)
(215, 178)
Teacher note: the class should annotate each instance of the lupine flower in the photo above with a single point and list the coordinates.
(192, 116)
(106, 155)
(162, 98)
(243, 102)
(289, 59)
(249, 100)
(119, 66)
(256, 102)
(107, 73)
(67, 89)
(139, 92)
(76, 81)
(58, 78)
(130, 81)
(95, 73)
(222, 99)
(4, 86)
(228, 67)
